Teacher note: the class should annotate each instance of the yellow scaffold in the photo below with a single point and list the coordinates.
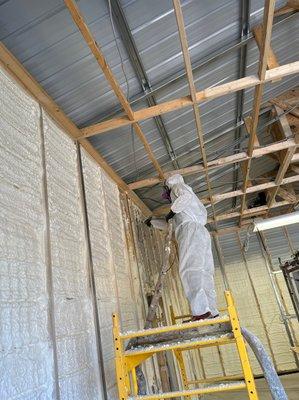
(127, 360)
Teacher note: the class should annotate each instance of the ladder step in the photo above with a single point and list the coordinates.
(176, 327)
(178, 336)
(201, 341)
(222, 387)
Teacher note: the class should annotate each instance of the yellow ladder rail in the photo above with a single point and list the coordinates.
(126, 360)
(248, 375)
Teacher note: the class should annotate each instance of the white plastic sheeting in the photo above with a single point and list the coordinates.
(26, 357)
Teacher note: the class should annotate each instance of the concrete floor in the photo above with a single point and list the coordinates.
(290, 383)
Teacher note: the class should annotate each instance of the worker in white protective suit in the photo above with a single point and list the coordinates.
(196, 264)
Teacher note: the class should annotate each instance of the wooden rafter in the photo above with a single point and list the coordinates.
(236, 214)
(189, 73)
(271, 58)
(286, 193)
(219, 163)
(282, 130)
(252, 211)
(285, 106)
(96, 51)
(258, 93)
(182, 102)
(288, 8)
(22, 76)
(237, 193)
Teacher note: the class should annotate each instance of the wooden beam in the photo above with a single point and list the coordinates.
(284, 10)
(162, 210)
(255, 188)
(218, 163)
(285, 106)
(251, 212)
(280, 175)
(284, 131)
(22, 76)
(245, 223)
(99, 56)
(258, 35)
(258, 93)
(283, 124)
(182, 102)
(286, 194)
(294, 4)
(189, 73)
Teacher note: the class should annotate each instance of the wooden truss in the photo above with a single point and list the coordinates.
(283, 149)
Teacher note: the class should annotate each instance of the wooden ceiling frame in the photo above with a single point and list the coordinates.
(31, 86)
(218, 197)
(189, 73)
(253, 211)
(267, 59)
(99, 56)
(265, 47)
(210, 93)
(282, 131)
(220, 163)
(11, 64)
(248, 213)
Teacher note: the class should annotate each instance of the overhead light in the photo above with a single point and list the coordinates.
(281, 220)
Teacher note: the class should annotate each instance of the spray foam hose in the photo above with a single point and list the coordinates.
(276, 389)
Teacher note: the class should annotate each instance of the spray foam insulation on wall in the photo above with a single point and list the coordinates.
(26, 359)
(47, 322)
(74, 327)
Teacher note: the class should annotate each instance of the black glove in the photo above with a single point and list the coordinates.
(148, 221)
(170, 215)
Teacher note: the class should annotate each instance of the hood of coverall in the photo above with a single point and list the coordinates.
(176, 184)
(185, 203)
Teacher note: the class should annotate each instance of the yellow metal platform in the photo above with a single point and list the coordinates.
(127, 360)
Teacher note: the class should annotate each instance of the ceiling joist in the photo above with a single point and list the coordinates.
(265, 44)
(252, 211)
(182, 102)
(99, 56)
(162, 210)
(283, 131)
(190, 79)
(220, 163)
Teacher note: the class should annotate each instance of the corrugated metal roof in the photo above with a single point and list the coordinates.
(42, 35)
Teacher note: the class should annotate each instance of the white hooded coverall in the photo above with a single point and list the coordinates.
(196, 264)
